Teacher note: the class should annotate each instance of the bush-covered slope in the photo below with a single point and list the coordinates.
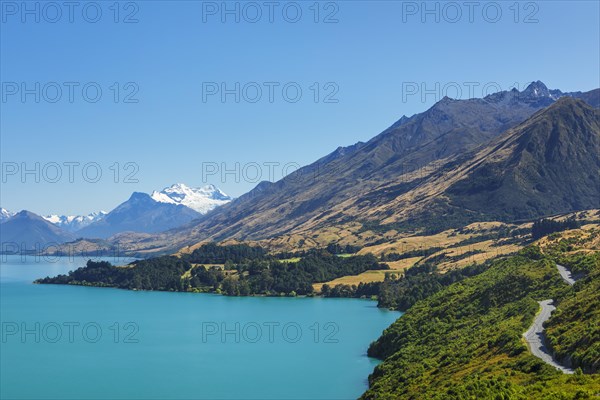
(573, 332)
(465, 342)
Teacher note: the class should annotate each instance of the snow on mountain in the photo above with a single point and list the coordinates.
(5, 214)
(29, 231)
(536, 94)
(201, 199)
(73, 223)
(140, 213)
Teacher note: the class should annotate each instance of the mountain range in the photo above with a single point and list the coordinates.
(509, 156)
(202, 200)
(73, 223)
(140, 213)
(170, 208)
(173, 206)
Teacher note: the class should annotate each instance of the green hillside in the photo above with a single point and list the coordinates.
(465, 342)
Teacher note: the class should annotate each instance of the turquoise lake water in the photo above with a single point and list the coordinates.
(67, 342)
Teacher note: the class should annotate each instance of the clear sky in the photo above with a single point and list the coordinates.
(162, 67)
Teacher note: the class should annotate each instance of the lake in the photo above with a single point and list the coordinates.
(69, 342)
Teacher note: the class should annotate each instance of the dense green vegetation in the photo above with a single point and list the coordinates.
(544, 227)
(579, 263)
(419, 282)
(246, 271)
(362, 290)
(335, 248)
(161, 273)
(272, 277)
(465, 341)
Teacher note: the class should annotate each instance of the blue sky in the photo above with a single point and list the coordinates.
(179, 53)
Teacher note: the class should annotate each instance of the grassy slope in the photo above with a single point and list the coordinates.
(465, 342)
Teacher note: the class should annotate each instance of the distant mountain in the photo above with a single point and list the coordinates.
(172, 207)
(5, 214)
(28, 231)
(141, 213)
(75, 223)
(592, 97)
(202, 200)
(538, 94)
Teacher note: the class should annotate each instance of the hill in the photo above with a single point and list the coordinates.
(466, 340)
(26, 231)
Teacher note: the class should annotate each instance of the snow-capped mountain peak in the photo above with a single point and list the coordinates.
(202, 199)
(73, 223)
(5, 214)
(536, 89)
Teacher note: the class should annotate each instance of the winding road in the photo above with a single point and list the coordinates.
(535, 337)
(565, 274)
